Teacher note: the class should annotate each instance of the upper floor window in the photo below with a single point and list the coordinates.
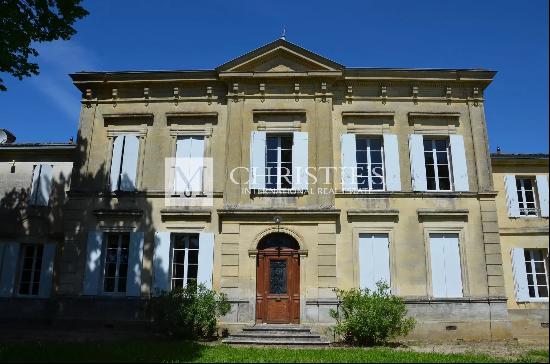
(370, 163)
(116, 262)
(438, 167)
(31, 268)
(526, 196)
(124, 162)
(185, 259)
(41, 185)
(438, 163)
(278, 162)
(370, 166)
(189, 164)
(530, 267)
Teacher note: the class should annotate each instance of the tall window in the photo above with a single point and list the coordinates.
(438, 169)
(278, 162)
(31, 266)
(536, 266)
(185, 259)
(116, 262)
(370, 166)
(124, 163)
(526, 196)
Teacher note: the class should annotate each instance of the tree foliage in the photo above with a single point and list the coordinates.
(24, 22)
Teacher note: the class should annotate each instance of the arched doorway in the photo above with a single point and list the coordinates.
(278, 280)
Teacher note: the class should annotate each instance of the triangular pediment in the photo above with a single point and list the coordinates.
(280, 56)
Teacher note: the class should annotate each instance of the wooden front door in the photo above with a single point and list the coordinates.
(278, 286)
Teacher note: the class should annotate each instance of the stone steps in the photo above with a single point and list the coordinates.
(277, 335)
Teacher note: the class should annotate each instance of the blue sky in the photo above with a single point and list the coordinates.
(508, 36)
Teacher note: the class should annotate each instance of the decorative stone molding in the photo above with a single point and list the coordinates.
(209, 94)
(384, 94)
(146, 95)
(176, 95)
(448, 214)
(278, 229)
(114, 96)
(118, 213)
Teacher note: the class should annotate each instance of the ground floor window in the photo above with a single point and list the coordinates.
(536, 267)
(185, 259)
(445, 265)
(31, 267)
(116, 262)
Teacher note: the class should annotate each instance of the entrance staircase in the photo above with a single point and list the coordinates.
(285, 335)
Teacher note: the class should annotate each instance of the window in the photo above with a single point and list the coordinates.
(124, 163)
(278, 162)
(445, 265)
(438, 169)
(41, 185)
(536, 266)
(189, 164)
(374, 260)
(370, 166)
(116, 262)
(185, 259)
(526, 196)
(31, 267)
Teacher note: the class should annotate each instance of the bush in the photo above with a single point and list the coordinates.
(367, 317)
(189, 313)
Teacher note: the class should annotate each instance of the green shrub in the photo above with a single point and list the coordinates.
(370, 317)
(189, 313)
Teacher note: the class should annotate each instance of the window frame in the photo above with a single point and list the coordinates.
(279, 177)
(33, 270)
(117, 277)
(186, 249)
(532, 262)
(369, 176)
(434, 151)
(522, 192)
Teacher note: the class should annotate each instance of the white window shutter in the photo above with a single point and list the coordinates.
(130, 156)
(437, 259)
(35, 183)
(542, 188)
(520, 275)
(8, 270)
(511, 195)
(46, 174)
(161, 262)
(453, 267)
(116, 161)
(46, 273)
(460, 167)
(206, 259)
(196, 165)
(257, 160)
(374, 260)
(349, 162)
(418, 163)
(135, 264)
(94, 265)
(299, 161)
(391, 163)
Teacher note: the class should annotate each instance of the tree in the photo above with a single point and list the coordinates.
(23, 22)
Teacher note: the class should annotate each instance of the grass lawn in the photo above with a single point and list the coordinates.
(177, 351)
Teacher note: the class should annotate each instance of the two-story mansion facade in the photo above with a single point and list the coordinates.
(371, 174)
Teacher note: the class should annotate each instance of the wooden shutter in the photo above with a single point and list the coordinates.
(46, 273)
(130, 156)
(8, 269)
(542, 188)
(135, 264)
(391, 163)
(446, 265)
(183, 151)
(94, 253)
(206, 259)
(520, 275)
(116, 161)
(511, 195)
(374, 260)
(418, 163)
(161, 262)
(460, 167)
(35, 185)
(349, 162)
(257, 160)
(196, 165)
(299, 161)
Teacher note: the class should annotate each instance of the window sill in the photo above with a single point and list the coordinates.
(280, 193)
(534, 300)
